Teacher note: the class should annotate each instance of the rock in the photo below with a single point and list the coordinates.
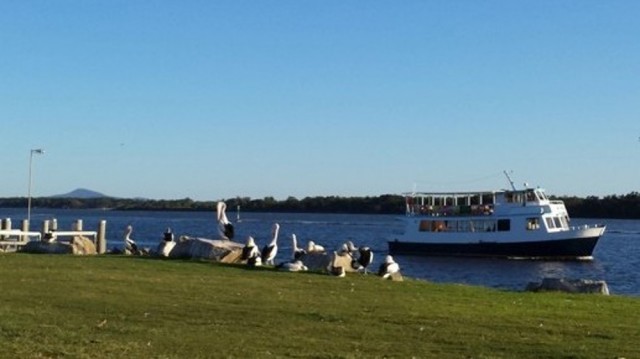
(233, 256)
(201, 248)
(83, 246)
(569, 286)
(79, 245)
(345, 261)
(316, 261)
(47, 247)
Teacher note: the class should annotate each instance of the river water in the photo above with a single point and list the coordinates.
(616, 258)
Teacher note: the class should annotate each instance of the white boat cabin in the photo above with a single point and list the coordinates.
(487, 211)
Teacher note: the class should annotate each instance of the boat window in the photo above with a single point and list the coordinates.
(531, 196)
(425, 226)
(549, 222)
(438, 226)
(508, 197)
(515, 197)
(484, 226)
(490, 226)
(532, 224)
(557, 222)
(504, 225)
(541, 195)
(463, 226)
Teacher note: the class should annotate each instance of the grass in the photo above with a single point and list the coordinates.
(61, 306)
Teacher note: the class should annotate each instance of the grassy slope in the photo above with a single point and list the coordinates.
(111, 306)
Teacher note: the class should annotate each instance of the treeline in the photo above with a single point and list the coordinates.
(385, 204)
(622, 207)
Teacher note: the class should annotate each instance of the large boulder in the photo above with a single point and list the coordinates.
(83, 245)
(202, 248)
(345, 261)
(77, 245)
(569, 286)
(316, 261)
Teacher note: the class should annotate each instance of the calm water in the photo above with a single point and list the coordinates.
(616, 258)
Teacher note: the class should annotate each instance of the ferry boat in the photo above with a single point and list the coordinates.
(518, 224)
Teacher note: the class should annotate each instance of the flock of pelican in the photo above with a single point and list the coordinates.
(254, 256)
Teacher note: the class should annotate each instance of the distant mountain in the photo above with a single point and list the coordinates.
(81, 193)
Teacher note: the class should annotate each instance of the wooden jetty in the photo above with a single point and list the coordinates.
(15, 239)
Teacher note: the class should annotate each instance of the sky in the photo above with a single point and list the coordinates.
(219, 99)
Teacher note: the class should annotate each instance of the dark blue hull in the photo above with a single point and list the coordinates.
(559, 249)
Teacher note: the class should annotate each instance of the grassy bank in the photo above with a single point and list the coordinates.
(57, 306)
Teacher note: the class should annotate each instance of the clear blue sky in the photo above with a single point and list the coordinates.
(217, 99)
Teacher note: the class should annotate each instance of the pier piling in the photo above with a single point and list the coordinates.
(101, 245)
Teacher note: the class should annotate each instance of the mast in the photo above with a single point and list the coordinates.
(513, 186)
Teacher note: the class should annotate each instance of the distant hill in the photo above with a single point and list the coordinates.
(81, 193)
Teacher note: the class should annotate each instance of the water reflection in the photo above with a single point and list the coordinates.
(496, 272)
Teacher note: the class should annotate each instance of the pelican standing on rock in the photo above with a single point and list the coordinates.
(297, 252)
(225, 228)
(312, 247)
(388, 268)
(130, 246)
(269, 251)
(347, 248)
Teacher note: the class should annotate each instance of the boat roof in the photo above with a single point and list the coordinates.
(468, 193)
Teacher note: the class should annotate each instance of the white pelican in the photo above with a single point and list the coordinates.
(365, 258)
(388, 267)
(251, 253)
(297, 252)
(167, 244)
(347, 248)
(293, 266)
(225, 228)
(130, 246)
(313, 247)
(269, 251)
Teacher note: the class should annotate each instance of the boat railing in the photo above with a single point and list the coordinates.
(17, 237)
(586, 226)
(453, 210)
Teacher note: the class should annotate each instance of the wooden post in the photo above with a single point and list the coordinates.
(45, 227)
(3, 224)
(25, 228)
(7, 225)
(78, 226)
(54, 224)
(101, 246)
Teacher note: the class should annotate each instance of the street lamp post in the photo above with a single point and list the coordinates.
(38, 151)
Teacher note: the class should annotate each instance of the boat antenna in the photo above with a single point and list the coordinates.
(513, 186)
